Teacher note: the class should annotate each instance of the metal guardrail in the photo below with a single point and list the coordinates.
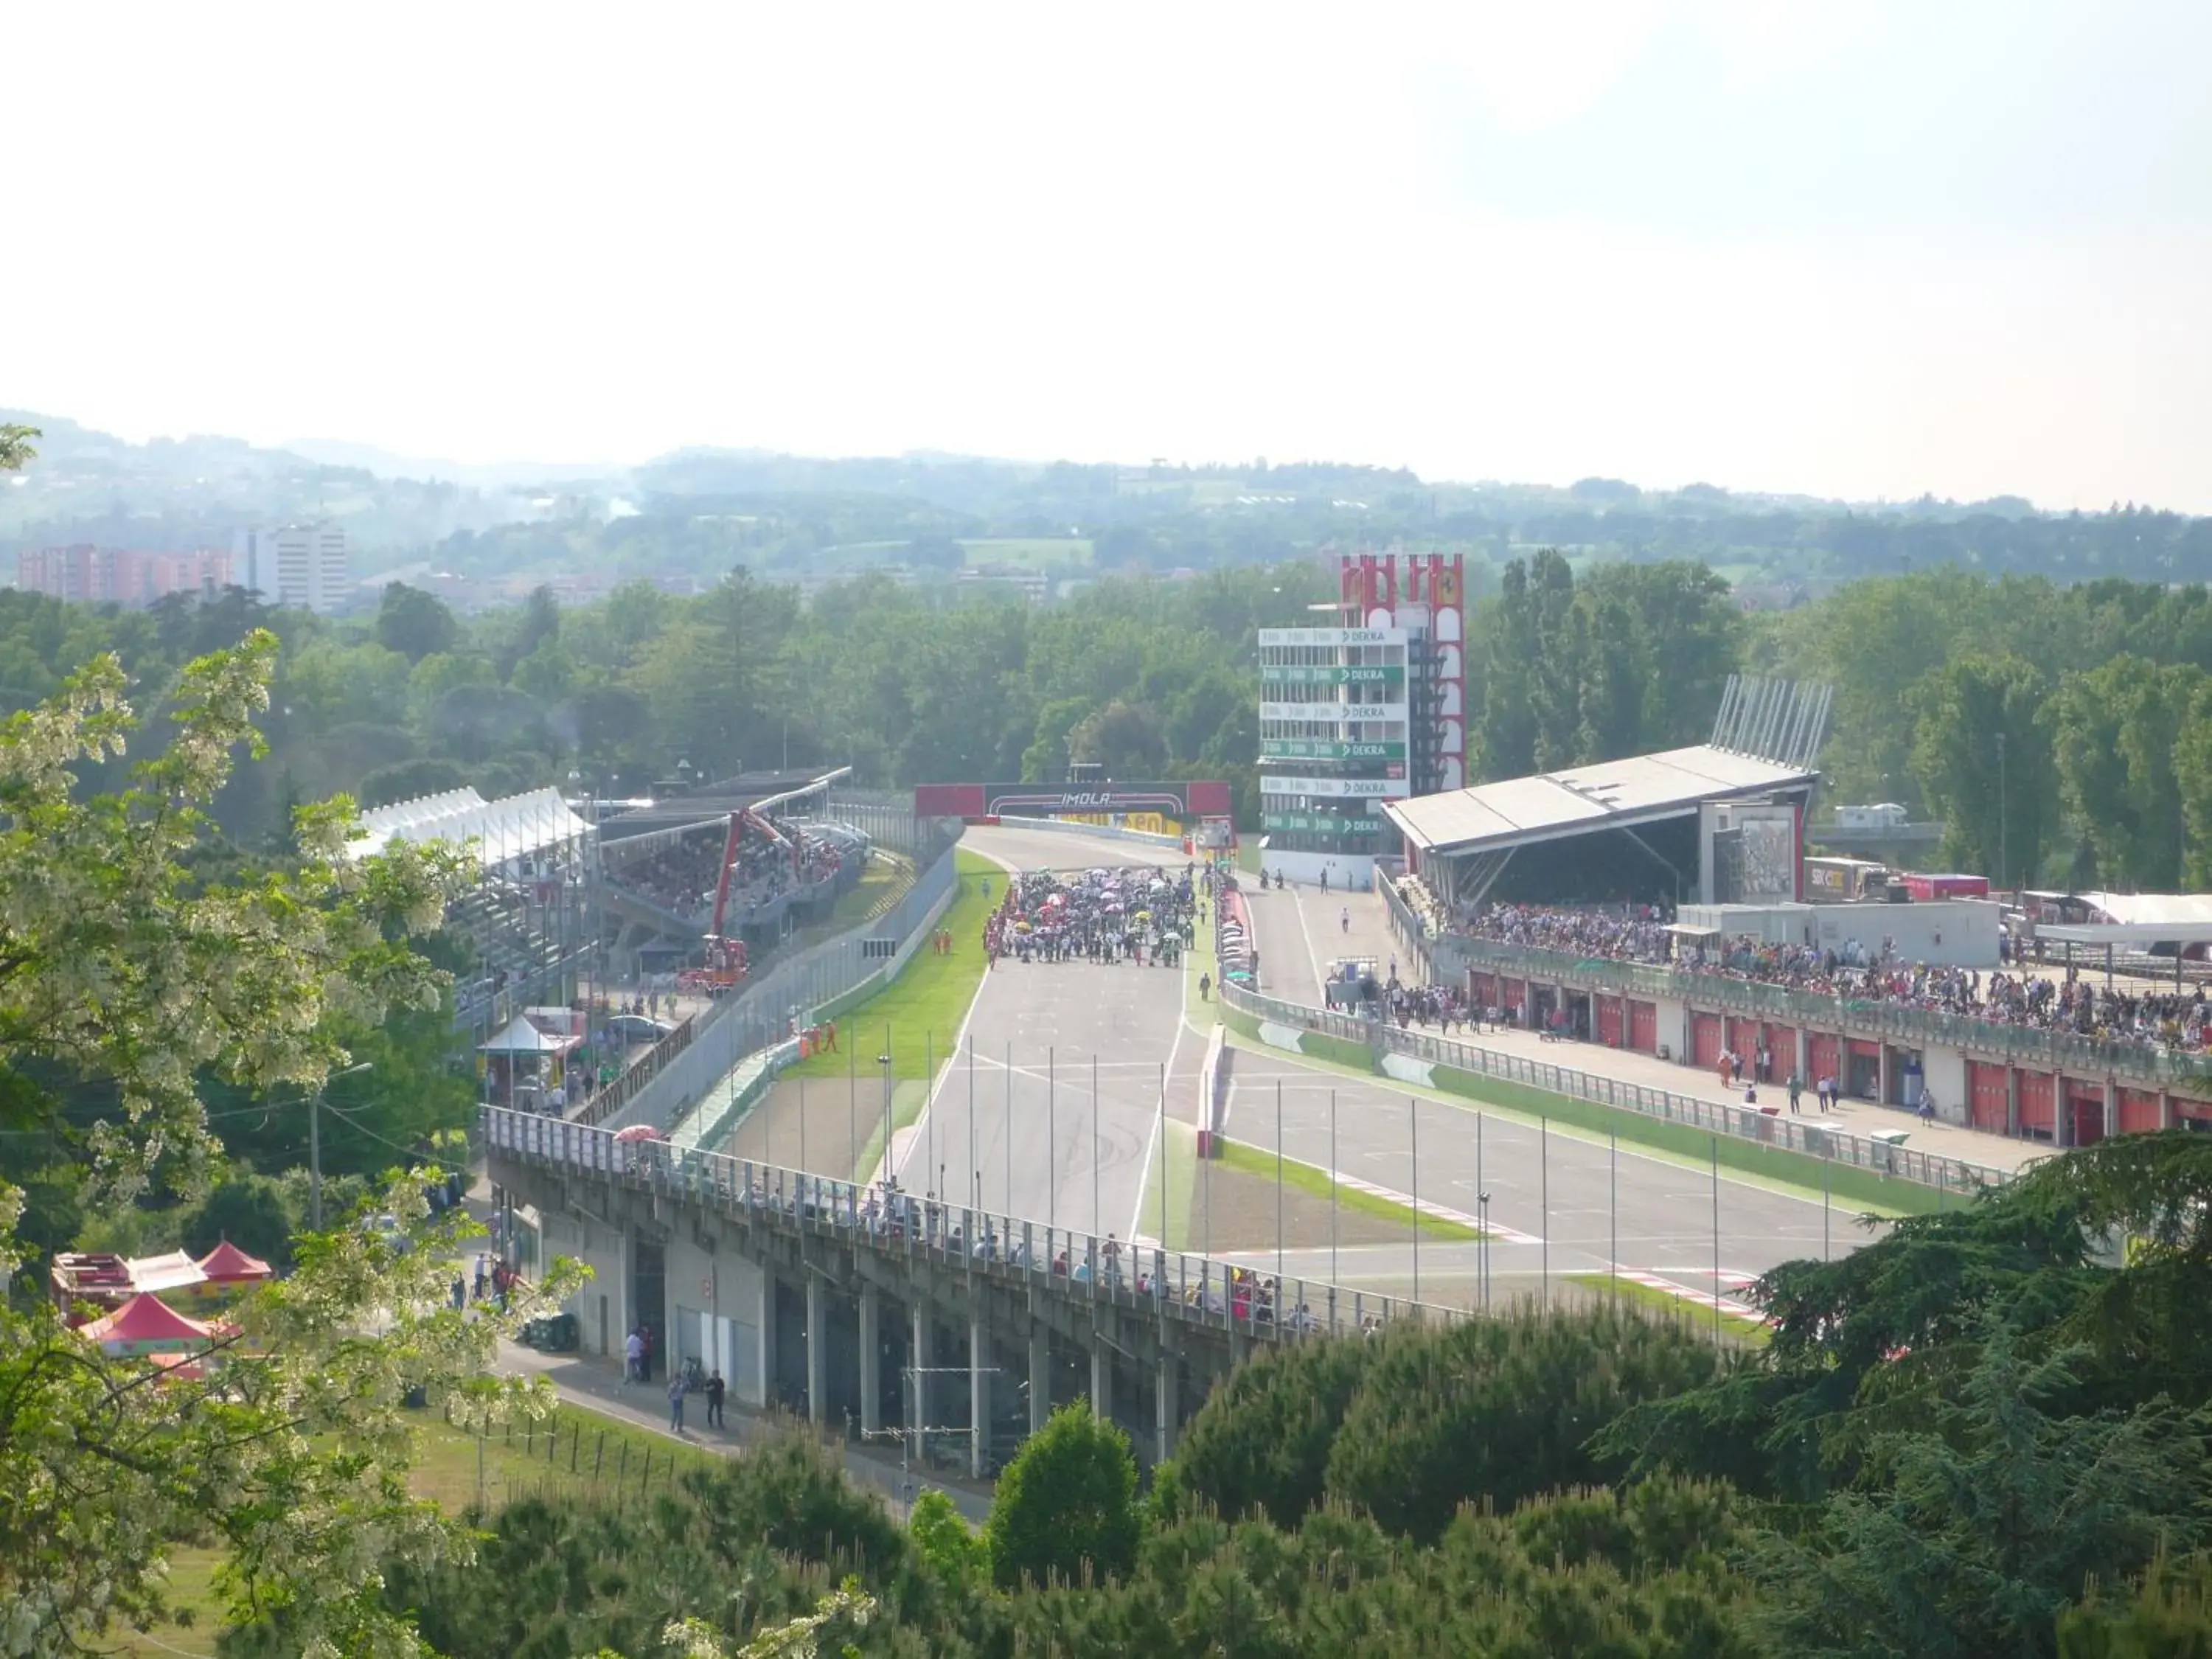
(1195, 1291)
(2021, 1045)
(1790, 1134)
(760, 1010)
(614, 1100)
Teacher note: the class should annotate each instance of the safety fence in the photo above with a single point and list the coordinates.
(1196, 1290)
(768, 1008)
(1441, 1063)
(2027, 1046)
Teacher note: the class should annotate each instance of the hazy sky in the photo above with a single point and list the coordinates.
(1838, 246)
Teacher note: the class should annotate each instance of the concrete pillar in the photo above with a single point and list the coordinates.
(764, 1350)
(1040, 1377)
(921, 1357)
(2168, 1118)
(2012, 1100)
(2111, 1108)
(817, 1339)
(979, 1398)
(871, 1361)
(1101, 1379)
(1170, 1406)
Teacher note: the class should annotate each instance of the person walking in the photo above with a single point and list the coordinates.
(714, 1392)
(675, 1402)
(1796, 1086)
(1205, 985)
(633, 1358)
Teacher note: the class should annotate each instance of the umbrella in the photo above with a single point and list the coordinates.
(637, 1132)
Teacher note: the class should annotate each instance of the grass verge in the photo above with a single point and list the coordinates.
(574, 1450)
(1744, 1330)
(1314, 1181)
(915, 1018)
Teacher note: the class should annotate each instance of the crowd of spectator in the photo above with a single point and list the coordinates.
(2071, 1003)
(682, 878)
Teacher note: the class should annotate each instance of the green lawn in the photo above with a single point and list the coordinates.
(916, 1017)
(1310, 1179)
(573, 1450)
(1689, 1313)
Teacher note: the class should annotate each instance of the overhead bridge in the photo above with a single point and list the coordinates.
(866, 1306)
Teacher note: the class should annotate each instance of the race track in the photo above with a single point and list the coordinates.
(1560, 1203)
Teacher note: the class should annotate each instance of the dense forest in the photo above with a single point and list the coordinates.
(2067, 726)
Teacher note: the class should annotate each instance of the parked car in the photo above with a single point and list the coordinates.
(636, 1027)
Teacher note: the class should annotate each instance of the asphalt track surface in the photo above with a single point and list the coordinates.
(1040, 1145)
(1046, 1148)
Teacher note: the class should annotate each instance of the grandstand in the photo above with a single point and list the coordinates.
(1718, 821)
(724, 867)
(524, 920)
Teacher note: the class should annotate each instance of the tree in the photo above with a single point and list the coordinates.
(956, 1555)
(15, 451)
(251, 1214)
(935, 553)
(2168, 1615)
(414, 624)
(1260, 1442)
(1123, 737)
(1993, 1512)
(1500, 1410)
(1984, 762)
(1066, 1505)
(2115, 734)
(290, 1459)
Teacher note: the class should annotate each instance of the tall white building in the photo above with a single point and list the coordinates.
(302, 565)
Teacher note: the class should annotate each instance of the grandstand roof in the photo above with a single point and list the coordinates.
(1611, 795)
(505, 828)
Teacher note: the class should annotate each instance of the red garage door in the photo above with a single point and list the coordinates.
(1781, 1050)
(1742, 1037)
(1985, 1090)
(2084, 1103)
(1706, 1039)
(1643, 1027)
(1824, 1057)
(1511, 993)
(1482, 989)
(1608, 1020)
(2139, 1111)
(2038, 1104)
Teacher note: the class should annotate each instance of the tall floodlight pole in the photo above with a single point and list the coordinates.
(852, 1111)
(1332, 1187)
(802, 1123)
(976, 1182)
(1612, 1206)
(1544, 1206)
(1482, 1243)
(929, 1101)
(1008, 1127)
(1051, 1145)
(1095, 1217)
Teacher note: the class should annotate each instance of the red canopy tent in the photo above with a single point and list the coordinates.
(226, 1264)
(144, 1325)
